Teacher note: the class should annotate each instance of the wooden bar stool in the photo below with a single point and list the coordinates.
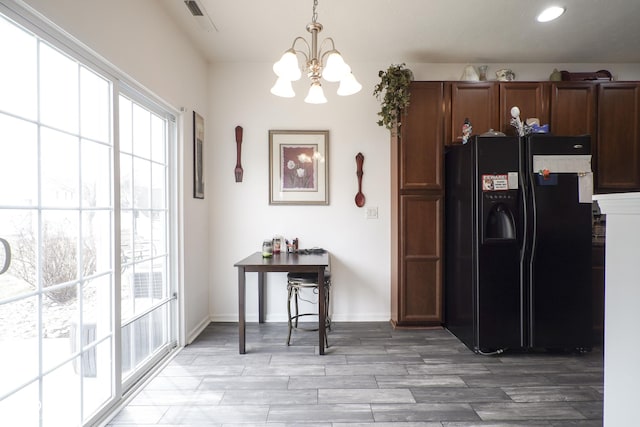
(296, 283)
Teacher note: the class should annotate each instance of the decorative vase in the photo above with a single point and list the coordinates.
(469, 74)
(483, 72)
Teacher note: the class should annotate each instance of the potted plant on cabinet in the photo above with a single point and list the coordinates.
(393, 94)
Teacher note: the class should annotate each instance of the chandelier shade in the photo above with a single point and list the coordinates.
(316, 94)
(336, 69)
(318, 64)
(349, 85)
(287, 67)
(283, 88)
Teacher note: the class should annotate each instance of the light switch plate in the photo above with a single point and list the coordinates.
(371, 212)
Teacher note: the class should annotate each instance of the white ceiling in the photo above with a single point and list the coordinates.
(421, 31)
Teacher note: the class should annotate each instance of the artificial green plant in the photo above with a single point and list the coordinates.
(393, 94)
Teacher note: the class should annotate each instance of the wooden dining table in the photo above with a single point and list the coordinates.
(280, 263)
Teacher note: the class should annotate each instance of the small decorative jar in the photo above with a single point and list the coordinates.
(267, 249)
(277, 245)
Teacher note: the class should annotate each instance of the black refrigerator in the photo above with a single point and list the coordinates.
(518, 243)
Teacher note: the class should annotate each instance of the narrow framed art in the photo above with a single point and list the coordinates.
(198, 153)
(298, 167)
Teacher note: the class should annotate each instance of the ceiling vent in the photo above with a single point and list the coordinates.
(194, 8)
(200, 15)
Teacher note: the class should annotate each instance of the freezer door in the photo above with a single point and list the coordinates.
(500, 233)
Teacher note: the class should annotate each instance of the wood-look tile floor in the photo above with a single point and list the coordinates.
(371, 375)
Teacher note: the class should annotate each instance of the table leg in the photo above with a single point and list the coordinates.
(241, 309)
(261, 298)
(322, 321)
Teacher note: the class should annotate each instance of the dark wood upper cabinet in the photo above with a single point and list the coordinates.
(618, 148)
(477, 101)
(532, 98)
(573, 108)
(422, 130)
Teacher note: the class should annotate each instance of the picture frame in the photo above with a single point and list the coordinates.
(198, 156)
(298, 167)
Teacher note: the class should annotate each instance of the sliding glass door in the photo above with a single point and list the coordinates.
(146, 300)
(87, 304)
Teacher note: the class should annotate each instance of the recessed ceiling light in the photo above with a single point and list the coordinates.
(550, 13)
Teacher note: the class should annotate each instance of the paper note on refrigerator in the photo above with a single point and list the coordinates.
(578, 164)
(585, 187)
(562, 163)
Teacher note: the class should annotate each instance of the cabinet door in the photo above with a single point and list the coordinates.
(475, 101)
(421, 147)
(573, 109)
(420, 293)
(532, 98)
(618, 149)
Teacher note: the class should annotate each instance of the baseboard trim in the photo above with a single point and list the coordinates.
(191, 336)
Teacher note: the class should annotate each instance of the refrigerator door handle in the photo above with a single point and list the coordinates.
(524, 206)
(532, 255)
(525, 242)
(534, 221)
(523, 253)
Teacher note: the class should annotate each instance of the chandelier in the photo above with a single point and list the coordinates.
(322, 61)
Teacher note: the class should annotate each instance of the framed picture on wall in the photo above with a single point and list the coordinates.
(298, 167)
(198, 153)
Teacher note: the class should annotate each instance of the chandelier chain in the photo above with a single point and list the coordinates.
(314, 17)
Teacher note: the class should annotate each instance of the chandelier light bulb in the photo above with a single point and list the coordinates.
(315, 95)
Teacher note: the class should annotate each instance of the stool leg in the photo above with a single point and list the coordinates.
(326, 306)
(290, 290)
(295, 299)
(326, 316)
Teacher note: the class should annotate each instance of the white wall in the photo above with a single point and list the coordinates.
(241, 217)
(141, 40)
